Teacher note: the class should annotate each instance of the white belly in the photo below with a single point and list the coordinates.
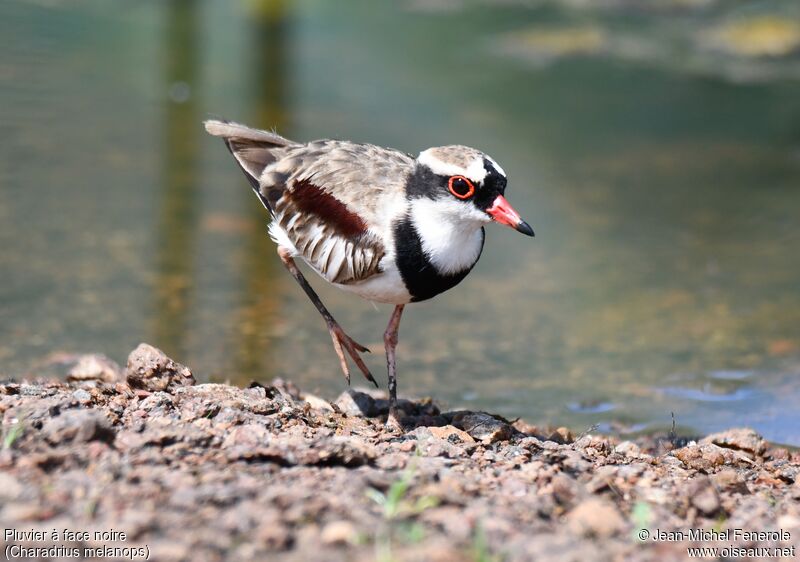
(386, 287)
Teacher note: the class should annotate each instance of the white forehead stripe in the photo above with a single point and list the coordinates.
(496, 166)
(475, 171)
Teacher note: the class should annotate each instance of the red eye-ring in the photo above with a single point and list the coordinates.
(461, 187)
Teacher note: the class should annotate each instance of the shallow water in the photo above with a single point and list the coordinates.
(661, 175)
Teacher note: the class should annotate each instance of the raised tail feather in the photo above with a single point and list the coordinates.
(254, 149)
(242, 133)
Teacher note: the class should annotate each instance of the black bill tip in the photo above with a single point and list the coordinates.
(524, 228)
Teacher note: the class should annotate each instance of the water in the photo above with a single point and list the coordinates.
(660, 171)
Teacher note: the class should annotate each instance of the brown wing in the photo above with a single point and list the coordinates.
(327, 197)
(331, 238)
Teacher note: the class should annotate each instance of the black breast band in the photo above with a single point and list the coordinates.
(421, 278)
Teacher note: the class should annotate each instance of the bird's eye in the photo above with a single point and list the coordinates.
(461, 187)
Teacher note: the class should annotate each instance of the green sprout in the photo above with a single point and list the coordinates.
(641, 515)
(397, 506)
(14, 433)
(394, 502)
(480, 547)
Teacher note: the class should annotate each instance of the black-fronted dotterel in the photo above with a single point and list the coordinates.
(374, 221)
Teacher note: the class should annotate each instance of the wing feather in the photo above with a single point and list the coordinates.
(330, 204)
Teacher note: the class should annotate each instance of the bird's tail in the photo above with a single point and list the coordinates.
(254, 149)
(242, 133)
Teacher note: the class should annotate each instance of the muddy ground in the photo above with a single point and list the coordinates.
(127, 463)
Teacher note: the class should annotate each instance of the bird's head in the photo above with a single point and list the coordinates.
(462, 184)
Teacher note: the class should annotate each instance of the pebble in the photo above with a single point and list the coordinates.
(355, 403)
(95, 367)
(82, 396)
(10, 487)
(730, 480)
(317, 403)
(451, 434)
(628, 449)
(150, 369)
(742, 439)
(703, 496)
(79, 426)
(249, 436)
(595, 518)
(482, 426)
(562, 435)
(705, 457)
(338, 533)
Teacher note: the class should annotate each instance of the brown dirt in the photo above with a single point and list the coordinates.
(214, 472)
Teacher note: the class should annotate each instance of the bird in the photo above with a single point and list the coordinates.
(378, 222)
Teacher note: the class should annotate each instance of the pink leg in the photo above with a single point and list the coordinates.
(341, 341)
(390, 341)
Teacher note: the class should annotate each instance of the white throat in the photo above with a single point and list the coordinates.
(450, 232)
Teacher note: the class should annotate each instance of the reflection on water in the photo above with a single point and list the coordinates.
(656, 153)
(266, 57)
(177, 222)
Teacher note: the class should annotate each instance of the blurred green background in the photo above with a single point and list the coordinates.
(654, 146)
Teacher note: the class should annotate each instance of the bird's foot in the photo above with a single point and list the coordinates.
(341, 343)
(395, 419)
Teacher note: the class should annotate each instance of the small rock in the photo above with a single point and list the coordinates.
(95, 367)
(595, 445)
(339, 533)
(10, 488)
(670, 461)
(273, 535)
(249, 436)
(150, 369)
(730, 481)
(574, 461)
(482, 426)
(603, 479)
(656, 496)
(192, 410)
(9, 389)
(550, 446)
(743, 439)
(441, 448)
(779, 453)
(703, 496)
(561, 435)
(701, 457)
(531, 430)
(157, 404)
(317, 403)
(788, 473)
(355, 403)
(392, 461)
(628, 449)
(530, 443)
(451, 520)
(82, 396)
(286, 388)
(79, 426)
(595, 518)
(337, 450)
(451, 434)
(565, 489)
(768, 478)
(410, 445)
